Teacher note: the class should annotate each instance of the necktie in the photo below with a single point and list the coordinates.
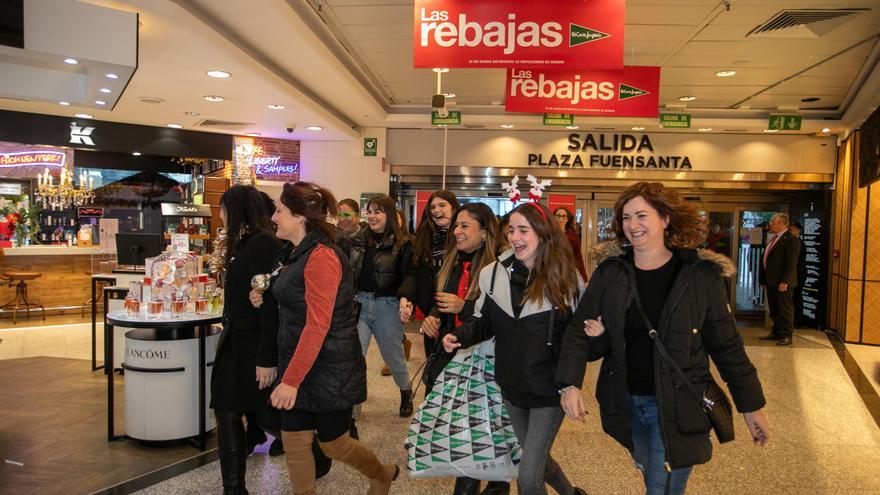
(463, 285)
(769, 247)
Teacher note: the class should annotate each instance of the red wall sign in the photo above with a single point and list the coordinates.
(631, 92)
(560, 34)
(568, 201)
(421, 204)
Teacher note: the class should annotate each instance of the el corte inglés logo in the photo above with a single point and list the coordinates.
(626, 92)
(578, 35)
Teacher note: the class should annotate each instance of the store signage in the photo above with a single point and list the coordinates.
(631, 92)
(371, 146)
(570, 34)
(558, 119)
(181, 210)
(35, 158)
(10, 188)
(134, 352)
(90, 212)
(273, 169)
(563, 34)
(675, 120)
(784, 123)
(81, 134)
(814, 286)
(610, 151)
(454, 118)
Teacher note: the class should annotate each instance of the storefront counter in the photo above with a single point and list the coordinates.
(65, 280)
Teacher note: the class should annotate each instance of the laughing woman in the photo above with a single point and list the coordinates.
(323, 373)
(526, 300)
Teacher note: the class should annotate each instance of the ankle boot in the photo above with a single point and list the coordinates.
(406, 403)
(496, 488)
(358, 456)
(300, 461)
(466, 486)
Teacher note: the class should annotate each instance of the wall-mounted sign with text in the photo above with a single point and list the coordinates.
(559, 34)
(33, 158)
(610, 151)
(558, 119)
(454, 118)
(371, 146)
(631, 92)
(675, 120)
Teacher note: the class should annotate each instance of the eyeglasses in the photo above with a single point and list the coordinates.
(347, 214)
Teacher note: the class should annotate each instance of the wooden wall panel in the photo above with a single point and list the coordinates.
(66, 280)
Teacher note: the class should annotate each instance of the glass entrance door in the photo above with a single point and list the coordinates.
(752, 241)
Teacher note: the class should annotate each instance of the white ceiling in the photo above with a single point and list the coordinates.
(343, 64)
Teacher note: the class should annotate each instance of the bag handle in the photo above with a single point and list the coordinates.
(701, 398)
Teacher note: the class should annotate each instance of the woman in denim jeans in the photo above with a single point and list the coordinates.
(380, 258)
(526, 301)
(642, 402)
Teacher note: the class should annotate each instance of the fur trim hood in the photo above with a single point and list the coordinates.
(724, 265)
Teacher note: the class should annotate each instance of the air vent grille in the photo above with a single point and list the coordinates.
(804, 23)
(223, 124)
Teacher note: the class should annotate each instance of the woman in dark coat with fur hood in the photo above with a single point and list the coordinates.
(642, 403)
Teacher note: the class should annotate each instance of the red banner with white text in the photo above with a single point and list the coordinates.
(560, 34)
(631, 92)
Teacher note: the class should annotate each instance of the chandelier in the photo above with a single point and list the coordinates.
(63, 195)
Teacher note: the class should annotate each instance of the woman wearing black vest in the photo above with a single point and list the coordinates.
(247, 353)
(323, 373)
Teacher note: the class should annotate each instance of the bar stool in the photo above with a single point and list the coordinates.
(21, 298)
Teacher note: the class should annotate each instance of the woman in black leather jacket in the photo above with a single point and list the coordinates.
(380, 257)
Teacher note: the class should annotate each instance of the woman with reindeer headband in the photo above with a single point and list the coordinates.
(526, 299)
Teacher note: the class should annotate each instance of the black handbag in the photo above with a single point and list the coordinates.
(435, 363)
(713, 400)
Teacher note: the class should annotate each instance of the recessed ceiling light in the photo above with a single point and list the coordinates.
(111, 75)
(100, 102)
(638, 128)
(725, 73)
(71, 61)
(440, 70)
(191, 114)
(825, 129)
(314, 128)
(810, 99)
(174, 126)
(214, 98)
(104, 90)
(572, 127)
(770, 130)
(276, 107)
(449, 95)
(64, 103)
(507, 126)
(218, 74)
(82, 115)
(687, 98)
(137, 153)
(252, 134)
(705, 129)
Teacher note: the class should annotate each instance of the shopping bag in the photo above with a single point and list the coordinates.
(462, 427)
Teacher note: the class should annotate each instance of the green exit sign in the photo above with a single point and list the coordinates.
(675, 120)
(784, 123)
(454, 118)
(558, 119)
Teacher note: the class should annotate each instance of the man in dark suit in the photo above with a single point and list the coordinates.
(798, 296)
(779, 278)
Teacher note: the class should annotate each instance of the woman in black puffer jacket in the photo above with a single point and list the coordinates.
(323, 373)
(642, 403)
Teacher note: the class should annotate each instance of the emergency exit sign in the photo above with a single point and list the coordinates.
(558, 119)
(675, 120)
(454, 118)
(784, 123)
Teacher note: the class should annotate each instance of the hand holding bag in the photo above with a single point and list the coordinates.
(713, 400)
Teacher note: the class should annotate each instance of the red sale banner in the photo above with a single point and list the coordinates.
(421, 204)
(631, 92)
(561, 34)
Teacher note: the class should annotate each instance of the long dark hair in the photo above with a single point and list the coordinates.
(569, 219)
(685, 229)
(386, 204)
(487, 253)
(422, 247)
(246, 213)
(314, 203)
(555, 274)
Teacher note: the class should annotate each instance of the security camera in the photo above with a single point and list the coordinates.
(290, 128)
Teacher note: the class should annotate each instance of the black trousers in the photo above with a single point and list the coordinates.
(781, 307)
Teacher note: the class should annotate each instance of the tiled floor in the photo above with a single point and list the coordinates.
(823, 438)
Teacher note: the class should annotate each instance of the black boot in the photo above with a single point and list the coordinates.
(406, 403)
(232, 447)
(496, 488)
(466, 486)
(353, 429)
(322, 462)
(277, 447)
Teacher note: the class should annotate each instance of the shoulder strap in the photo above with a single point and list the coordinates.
(706, 403)
(492, 282)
